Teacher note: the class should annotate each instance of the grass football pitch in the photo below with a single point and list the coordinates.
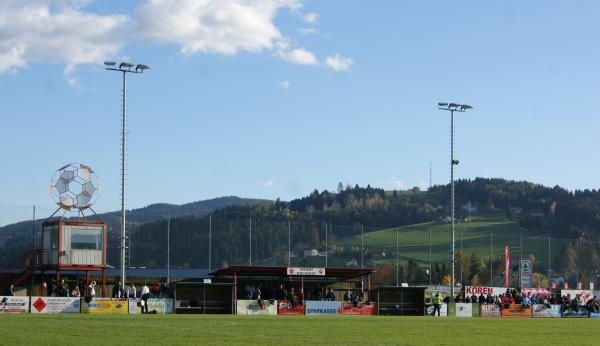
(292, 330)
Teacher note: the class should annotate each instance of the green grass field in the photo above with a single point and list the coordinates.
(413, 240)
(291, 330)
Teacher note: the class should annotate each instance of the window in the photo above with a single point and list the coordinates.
(86, 239)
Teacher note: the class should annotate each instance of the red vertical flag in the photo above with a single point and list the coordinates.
(507, 269)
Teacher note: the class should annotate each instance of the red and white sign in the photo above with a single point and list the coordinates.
(479, 290)
(54, 305)
(543, 292)
(285, 308)
(585, 295)
(306, 271)
(360, 309)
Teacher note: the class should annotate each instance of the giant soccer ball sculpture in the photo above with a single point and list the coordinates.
(75, 186)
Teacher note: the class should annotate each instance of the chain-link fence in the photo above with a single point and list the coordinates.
(417, 254)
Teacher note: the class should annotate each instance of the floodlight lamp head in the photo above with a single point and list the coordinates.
(142, 67)
(110, 63)
(453, 105)
(465, 107)
(455, 162)
(75, 186)
(442, 104)
(126, 65)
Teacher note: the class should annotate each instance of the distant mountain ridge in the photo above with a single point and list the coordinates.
(199, 208)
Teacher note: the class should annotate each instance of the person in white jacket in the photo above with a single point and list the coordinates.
(145, 296)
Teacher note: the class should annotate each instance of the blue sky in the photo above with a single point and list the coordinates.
(242, 99)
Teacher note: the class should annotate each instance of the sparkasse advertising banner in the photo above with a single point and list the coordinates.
(14, 304)
(55, 305)
(315, 307)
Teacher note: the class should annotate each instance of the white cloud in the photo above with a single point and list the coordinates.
(311, 18)
(212, 26)
(56, 32)
(285, 84)
(299, 56)
(66, 32)
(339, 63)
(268, 183)
(307, 31)
(397, 183)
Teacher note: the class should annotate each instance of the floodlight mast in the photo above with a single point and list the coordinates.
(124, 67)
(452, 107)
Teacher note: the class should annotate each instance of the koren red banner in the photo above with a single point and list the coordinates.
(479, 290)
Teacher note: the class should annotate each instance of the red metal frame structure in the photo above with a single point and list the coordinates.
(58, 267)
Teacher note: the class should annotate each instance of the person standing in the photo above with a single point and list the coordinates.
(131, 292)
(145, 296)
(437, 303)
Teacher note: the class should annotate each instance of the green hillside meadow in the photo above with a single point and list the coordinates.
(413, 240)
(29, 329)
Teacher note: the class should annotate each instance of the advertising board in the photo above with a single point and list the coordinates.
(443, 310)
(285, 308)
(485, 290)
(584, 294)
(543, 310)
(489, 310)
(464, 310)
(252, 307)
(516, 310)
(317, 307)
(161, 306)
(105, 306)
(360, 309)
(525, 269)
(306, 271)
(55, 305)
(18, 304)
(581, 312)
(543, 292)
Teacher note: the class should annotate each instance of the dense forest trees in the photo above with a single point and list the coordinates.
(261, 229)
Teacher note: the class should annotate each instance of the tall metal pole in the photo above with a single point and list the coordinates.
(250, 234)
(124, 68)
(362, 246)
(462, 259)
(326, 247)
(168, 248)
(577, 263)
(123, 145)
(491, 264)
(209, 243)
(289, 242)
(397, 262)
(34, 258)
(520, 255)
(452, 200)
(430, 256)
(549, 285)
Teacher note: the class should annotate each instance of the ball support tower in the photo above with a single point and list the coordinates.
(67, 200)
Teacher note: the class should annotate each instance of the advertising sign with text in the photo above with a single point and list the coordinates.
(14, 304)
(317, 307)
(55, 305)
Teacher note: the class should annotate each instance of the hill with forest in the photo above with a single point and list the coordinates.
(354, 226)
